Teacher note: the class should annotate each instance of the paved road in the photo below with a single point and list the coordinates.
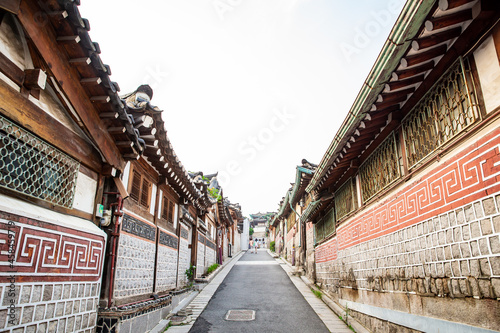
(257, 282)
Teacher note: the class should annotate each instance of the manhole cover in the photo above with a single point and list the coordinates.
(240, 315)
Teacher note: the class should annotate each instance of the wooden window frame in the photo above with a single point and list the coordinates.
(140, 187)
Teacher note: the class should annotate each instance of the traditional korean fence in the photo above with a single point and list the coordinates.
(439, 236)
(184, 256)
(136, 258)
(55, 278)
(166, 271)
(200, 259)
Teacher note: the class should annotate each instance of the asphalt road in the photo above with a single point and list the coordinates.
(258, 283)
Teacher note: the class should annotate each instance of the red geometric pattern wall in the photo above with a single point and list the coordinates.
(468, 176)
(46, 252)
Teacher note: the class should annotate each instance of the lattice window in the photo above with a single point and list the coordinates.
(135, 192)
(164, 208)
(145, 190)
(326, 226)
(380, 169)
(31, 166)
(446, 110)
(171, 207)
(291, 221)
(140, 189)
(345, 199)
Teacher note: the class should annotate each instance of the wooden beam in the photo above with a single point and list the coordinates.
(80, 61)
(450, 4)
(36, 120)
(117, 130)
(415, 59)
(68, 39)
(407, 73)
(91, 81)
(386, 97)
(395, 85)
(11, 70)
(68, 79)
(10, 5)
(395, 101)
(435, 39)
(35, 79)
(108, 115)
(100, 99)
(436, 23)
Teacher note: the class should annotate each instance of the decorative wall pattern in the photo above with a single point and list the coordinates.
(184, 257)
(200, 259)
(470, 175)
(46, 252)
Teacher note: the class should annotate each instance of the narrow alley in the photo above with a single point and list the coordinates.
(259, 285)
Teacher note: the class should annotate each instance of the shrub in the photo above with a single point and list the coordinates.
(190, 272)
(212, 268)
(272, 246)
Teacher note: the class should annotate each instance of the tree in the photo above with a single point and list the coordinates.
(251, 231)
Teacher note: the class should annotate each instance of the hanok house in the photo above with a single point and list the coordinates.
(406, 200)
(289, 229)
(63, 133)
(206, 244)
(157, 238)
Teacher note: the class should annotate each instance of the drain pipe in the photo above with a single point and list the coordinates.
(114, 243)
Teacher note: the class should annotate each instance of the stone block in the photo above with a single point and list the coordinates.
(469, 213)
(485, 288)
(42, 328)
(466, 232)
(447, 252)
(25, 294)
(497, 198)
(440, 270)
(495, 284)
(442, 238)
(61, 328)
(452, 218)
(81, 290)
(495, 244)
(447, 269)
(47, 292)
(78, 322)
(464, 268)
(444, 221)
(474, 268)
(455, 287)
(53, 326)
(485, 267)
(465, 249)
(474, 248)
(455, 268)
(30, 329)
(66, 291)
(70, 324)
(39, 312)
(496, 223)
(489, 206)
(483, 246)
(455, 251)
(475, 232)
(7, 299)
(74, 291)
(439, 287)
(495, 265)
(59, 309)
(457, 234)
(464, 287)
(57, 292)
(474, 286)
(28, 312)
(36, 295)
(478, 208)
(68, 308)
(49, 313)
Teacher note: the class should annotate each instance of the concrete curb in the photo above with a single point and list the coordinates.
(358, 327)
(162, 325)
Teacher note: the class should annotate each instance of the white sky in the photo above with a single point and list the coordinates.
(248, 87)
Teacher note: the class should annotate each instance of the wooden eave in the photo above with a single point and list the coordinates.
(460, 25)
(74, 62)
(168, 165)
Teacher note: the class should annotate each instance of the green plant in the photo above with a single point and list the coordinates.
(214, 193)
(272, 246)
(318, 293)
(251, 231)
(190, 272)
(212, 268)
